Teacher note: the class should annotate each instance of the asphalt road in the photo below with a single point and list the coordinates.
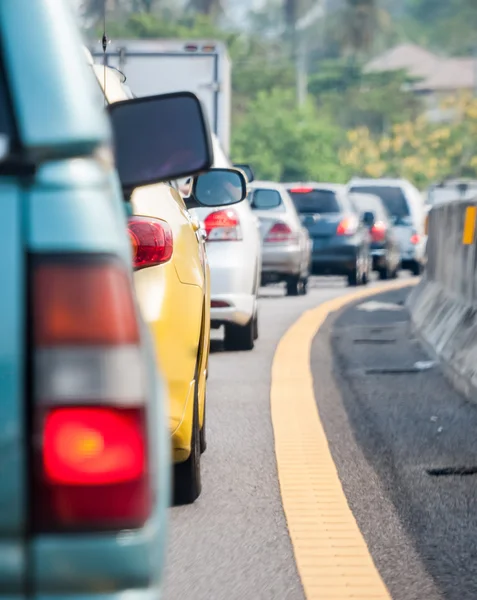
(233, 543)
(385, 431)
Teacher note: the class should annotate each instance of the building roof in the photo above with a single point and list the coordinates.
(451, 74)
(417, 61)
(434, 72)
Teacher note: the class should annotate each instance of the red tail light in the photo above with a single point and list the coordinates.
(415, 239)
(280, 233)
(348, 226)
(223, 225)
(90, 459)
(151, 241)
(219, 304)
(301, 190)
(91, 446)
(378, 232)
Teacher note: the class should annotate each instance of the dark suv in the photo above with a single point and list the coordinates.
(341, 241)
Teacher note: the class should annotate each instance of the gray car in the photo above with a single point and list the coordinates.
(286, 245)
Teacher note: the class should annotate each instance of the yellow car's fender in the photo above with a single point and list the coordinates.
(174, 301)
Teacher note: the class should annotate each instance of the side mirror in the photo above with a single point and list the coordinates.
(160, 138)
(247, 169)
(368, 218)
(217, 187)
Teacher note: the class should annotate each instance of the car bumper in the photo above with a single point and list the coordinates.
(335, 261)
(233, 273)
(280, 261)
(231, 308)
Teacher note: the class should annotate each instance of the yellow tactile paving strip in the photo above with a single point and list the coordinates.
(331, 555)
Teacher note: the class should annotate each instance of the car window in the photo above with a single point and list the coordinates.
(368, 203)
(263, 199)
(315, 201)
(393, 198)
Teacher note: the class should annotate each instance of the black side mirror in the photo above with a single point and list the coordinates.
(160, 138)
(368, 218)
(217, 187)
(247, 169)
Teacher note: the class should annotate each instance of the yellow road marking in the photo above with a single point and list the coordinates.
(469, 225)
(331, 555)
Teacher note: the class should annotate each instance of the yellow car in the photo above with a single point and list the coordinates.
(173, 294)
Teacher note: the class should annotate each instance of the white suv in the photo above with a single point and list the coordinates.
(405, 206)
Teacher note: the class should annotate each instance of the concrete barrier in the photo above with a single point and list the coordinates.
(443, 305)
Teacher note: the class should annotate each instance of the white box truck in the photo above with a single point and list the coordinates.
(160, 66)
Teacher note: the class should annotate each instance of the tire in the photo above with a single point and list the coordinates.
(187, 476)
(304, 286)
(255, 327)
(384, 273)
(416, 269)
(203, 431)
(293, 286)
(239, 337)
(353, 279)
(365, 277)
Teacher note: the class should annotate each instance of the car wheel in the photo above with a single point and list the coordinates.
(293, 286)
(416, 268)
(187, 477)
(353, 277)
(255, 326)
(384, 273)
(203, 431)
(304, 286)
(239, 337)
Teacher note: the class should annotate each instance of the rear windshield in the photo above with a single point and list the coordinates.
(263, 199)
(368, 203)
(315, 201)
(393, 198)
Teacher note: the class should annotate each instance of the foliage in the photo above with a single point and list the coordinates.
(418, 150)
(444, 26)
(354, 98)
(286, 143)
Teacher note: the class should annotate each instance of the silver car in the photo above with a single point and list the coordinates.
(286, 245)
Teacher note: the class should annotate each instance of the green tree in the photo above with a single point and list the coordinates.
(286, 143)
(448, 26)
(355, 99)
(206, 7)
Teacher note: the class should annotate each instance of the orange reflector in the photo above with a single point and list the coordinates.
(83, 303)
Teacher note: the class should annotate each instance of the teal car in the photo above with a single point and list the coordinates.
(84, 460)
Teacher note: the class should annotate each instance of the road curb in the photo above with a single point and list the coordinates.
(331, 555)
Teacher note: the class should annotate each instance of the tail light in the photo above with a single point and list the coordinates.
(348, 226)
(151, 241)
(378, 232)
(301, 190)
(90, 460)
(415, 239)
(223, 225)
(219, 304)
(280, 233)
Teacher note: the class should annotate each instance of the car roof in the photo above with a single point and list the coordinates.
(384, 182)
(332, 187)
(270, 185)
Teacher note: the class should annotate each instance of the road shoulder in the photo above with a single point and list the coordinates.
(389, 417)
